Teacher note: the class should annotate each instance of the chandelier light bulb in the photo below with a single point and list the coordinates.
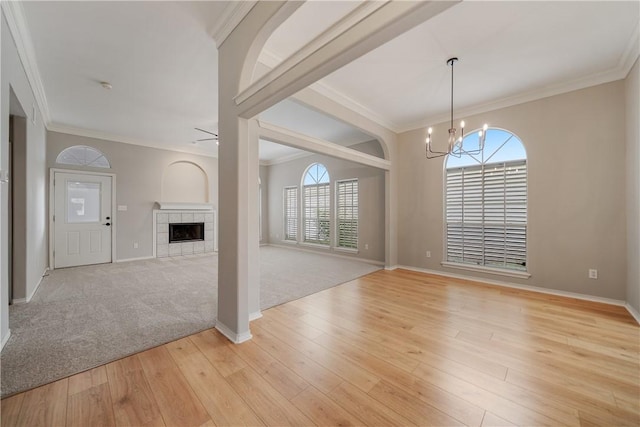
(485, 127)
(429, 131)
(462, 124)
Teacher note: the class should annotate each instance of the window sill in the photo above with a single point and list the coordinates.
(489, 270)
(346, 250)
(289, 242)
(315, 245)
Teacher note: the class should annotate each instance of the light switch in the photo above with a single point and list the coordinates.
(122, 207)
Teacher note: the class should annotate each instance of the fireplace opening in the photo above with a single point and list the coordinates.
(186, 232)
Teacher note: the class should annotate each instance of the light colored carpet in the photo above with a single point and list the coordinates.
(83, 317)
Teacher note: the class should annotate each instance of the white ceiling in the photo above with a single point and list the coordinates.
(162, 62)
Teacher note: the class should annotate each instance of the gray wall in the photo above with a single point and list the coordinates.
(264, 188)
(14, 77)
(139, 171)
(576, 188)
(632, 89)
(371, 198)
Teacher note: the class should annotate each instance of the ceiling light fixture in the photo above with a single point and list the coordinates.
(106, 85)
(454, 145)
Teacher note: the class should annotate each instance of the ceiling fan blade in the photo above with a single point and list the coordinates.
(207, 139)
(206, 131)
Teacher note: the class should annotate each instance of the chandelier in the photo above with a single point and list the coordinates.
(454, 145)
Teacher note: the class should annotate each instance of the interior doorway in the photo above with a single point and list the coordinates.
(17, 197)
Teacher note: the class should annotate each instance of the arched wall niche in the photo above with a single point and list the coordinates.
(185, 182)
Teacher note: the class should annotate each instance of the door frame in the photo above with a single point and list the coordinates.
(52, 206)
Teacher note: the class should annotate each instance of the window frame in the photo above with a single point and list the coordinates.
(337, 215)
(285, 216)
(522, 274)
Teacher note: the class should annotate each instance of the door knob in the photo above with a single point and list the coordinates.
(108, 224)
(108, 218)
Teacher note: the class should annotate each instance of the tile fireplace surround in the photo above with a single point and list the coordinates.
(177, 213)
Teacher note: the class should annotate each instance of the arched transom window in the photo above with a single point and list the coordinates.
(316, 199)
(82, 155)
(486, 203)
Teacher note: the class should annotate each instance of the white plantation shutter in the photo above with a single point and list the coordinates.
(486, 214)
(291, 213)
(316, 213)
(347, 213)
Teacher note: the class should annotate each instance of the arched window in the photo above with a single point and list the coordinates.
(316, 204)
(81, 155)
(486, 203)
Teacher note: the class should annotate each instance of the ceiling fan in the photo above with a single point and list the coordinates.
(213, 138)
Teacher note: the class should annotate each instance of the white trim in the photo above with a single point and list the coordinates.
(316, 245)
(632, 311)
(255, 315)
(631, 52)
(142, 258)
(329, 253)
(346, 250)
(88, 133)
(536, 289)
(284, 159)
(19, 29)
(331, 34)
(19, 301)
(5, 339)
(488, 270)
(284, 136)
(184, 206)
(391, 267)
(233, 13)
(232, 336)
(52, 172)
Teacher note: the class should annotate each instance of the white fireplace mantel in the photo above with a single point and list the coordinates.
(179, 206)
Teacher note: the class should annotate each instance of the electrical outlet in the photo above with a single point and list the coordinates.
(428, 254)
(135, 245)
(593, 273)
(366, 246)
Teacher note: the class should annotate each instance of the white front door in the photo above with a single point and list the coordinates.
(82, 219)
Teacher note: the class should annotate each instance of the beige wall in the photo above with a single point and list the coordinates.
(139, 173)
(632, 89)
(576, 182)
(14, 78)
(371, 189)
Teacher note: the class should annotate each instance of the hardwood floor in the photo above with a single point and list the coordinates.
(392, 348)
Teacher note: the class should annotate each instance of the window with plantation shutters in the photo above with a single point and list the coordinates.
(347, 214)
(486, 204)
(316, 205)
(291, 213)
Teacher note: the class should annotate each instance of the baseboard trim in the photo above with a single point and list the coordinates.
(530, 288)
(633, 312)
(324, 252)
(142, 258)
(255, 315)
(5, 339)
(232, 336)
(19, 301)
(391, 267)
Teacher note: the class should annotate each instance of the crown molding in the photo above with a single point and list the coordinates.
(14, 13)
(617, 73)
(631, 53)
(285, 159)
(271, 60)
(233, 13)
(89, 133)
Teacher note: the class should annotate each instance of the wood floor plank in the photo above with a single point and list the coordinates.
(322, 410)
(10, 410)
(312, 372)
(133, 400)
(217, 349)
(85, 380)
(366, 408)
(224, 405)
(390, 348)
(176, 400)
(283, 379)
(272, 408)
(346, 370)
(91, 407)
(45, 406)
